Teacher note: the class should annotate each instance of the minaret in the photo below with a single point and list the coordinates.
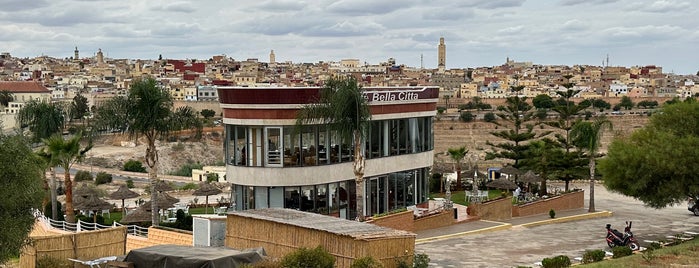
(441, 55)
(100, 57)
(76, 57)
(272, 58)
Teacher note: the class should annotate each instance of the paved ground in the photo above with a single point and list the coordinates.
(512, 243)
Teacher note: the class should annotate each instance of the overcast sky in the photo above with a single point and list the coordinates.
(477, 32)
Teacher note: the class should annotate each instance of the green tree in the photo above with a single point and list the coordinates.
(657, 163)
(112, 114)
(568, 164)
(150, 114)
(43, 119)
(79, 107)
(543, 157)
(207, 113)
(21, 177)
(467, 116)
(489, 117)
(626, 102)
(586, 136)
(134, 166)
(6, 97)
(516, 113)
(457, 154)
(65, 153)
(343, 108)
(543, 101)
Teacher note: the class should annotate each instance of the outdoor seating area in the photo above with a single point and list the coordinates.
(477, 196)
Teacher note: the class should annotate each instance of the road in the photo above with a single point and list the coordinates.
(526, 246)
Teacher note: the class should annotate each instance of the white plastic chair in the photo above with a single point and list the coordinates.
(106, 211)
(96, 262)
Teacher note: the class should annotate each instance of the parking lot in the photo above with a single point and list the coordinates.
(525, 246)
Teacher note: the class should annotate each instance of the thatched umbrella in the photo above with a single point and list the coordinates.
(123, 193)
(163, 186)
(84, 191)
(502, 184)
(141, 214)
(510, 170)
(530, 177)
(93, 203)
(164, 201)
(206, 189)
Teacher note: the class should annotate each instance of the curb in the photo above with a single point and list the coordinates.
(585, 216)
(503, 226)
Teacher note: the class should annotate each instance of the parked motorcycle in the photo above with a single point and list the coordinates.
(616, 238)
(693, 205)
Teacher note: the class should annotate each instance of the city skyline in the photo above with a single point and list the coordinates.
(476, 33)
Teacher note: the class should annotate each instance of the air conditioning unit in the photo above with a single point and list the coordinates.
(208, 230)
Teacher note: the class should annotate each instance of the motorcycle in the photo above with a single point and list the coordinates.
(693, 205)
(616, 238)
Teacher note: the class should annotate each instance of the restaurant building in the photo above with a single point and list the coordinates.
(273, 164)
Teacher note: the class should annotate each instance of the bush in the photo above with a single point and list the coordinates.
(83, 175)
(303, 258)
(655, 245)
(489, 117)
(552, 213)
(134, 166)
(189, 186)
(103, 177)
(129, 183)
(556, 262)
(621, 251)
(421, 261)
(593, 256)
(52, 262)
(49, 213)
(186, 169)
(467, 116)
(366, 262)
(178, 147)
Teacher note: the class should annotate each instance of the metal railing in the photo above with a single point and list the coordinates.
(81, 226)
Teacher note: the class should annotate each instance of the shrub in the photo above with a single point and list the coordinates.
(489, 117)
(593, 256)
(186, 169)
(83, 175)
(621, 251)
(52, 262)
(421, 260)
(552, 213)
(49, 213)
(129, 183)
(649, 255)
(654, 245)
(189, 186)
(467, 116)
(103, 177)
(134, 166)
(178, 147)
(366, 262)
(303, 257)
(556, 262)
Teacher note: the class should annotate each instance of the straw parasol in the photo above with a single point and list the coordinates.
(164, 201)
(163, 186)
(510, 170)
(123, 193)
(206, 189)
(141, 214)
(502, 184)
(530, 177)
(84, 191)
(92, 203)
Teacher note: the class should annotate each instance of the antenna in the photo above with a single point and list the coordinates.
(422, 62)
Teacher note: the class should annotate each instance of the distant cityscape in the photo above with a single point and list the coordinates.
(99, 78)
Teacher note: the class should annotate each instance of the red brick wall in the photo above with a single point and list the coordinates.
(442, 219)
(562, 202)
(499, 209)
(400, 221)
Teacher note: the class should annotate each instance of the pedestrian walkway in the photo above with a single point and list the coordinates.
(467, 227)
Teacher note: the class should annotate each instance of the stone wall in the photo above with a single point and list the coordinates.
(562, 202)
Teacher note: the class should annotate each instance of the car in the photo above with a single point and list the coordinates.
(693, 205)
(617, 112)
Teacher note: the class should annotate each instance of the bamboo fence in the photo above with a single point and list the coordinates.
(86, 245)
(281, 231)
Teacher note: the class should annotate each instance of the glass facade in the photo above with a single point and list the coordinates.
(284, 146)
(382, 194)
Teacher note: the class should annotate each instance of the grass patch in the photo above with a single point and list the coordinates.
(682, 255)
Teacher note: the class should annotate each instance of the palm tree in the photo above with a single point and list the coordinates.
(6, 97)
(43, 119)
(150, 114)
(64, 153)
(341, 106)
(457, 154)
(586, 136)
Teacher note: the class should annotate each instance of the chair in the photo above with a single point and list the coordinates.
(106, 211)
(96, 262)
